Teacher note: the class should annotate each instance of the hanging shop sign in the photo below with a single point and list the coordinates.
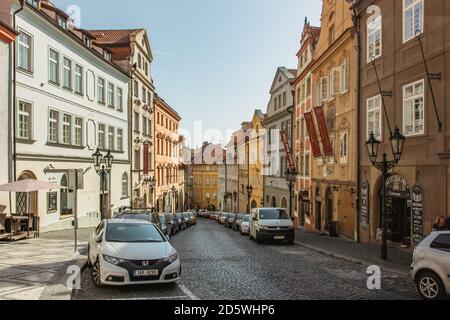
(417, 214)
(323, 130)
(312, 135)
(288, 150)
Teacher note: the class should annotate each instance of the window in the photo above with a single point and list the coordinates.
(324, 89)
(144, 125)
(53, 127)
(78, 79)
(331, 35)
(78, 137)
(110, 95)
(284, 99)
(374, 117)
(144, 95)
(67, 128)
(67, 73)
(319, 93)
(308, 87)
(136, 89)
(344, 77)
(442, 243)
(413, 108)
(275, 104)
(373, 38)
(62, 22)
(25, 52)
(101, 136)
(343, 148)
(412, 18)
(149, 98)
(119, 99)
(307, 159)
(125, 185)
(34, 3)
(107, 55)
(139, 61)
(24, 119)
(336, 86)
(119, 140)
(207, 182)
(101, 90)
(149, 127)
(87, 41)
(53, 66)
(111, 138)
(136, 122)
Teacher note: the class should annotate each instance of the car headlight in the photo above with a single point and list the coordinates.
(112, 260)
(171, 259)
(260, 227)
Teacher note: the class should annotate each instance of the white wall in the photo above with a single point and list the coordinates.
(4, 63)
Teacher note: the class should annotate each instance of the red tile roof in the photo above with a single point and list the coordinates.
(117, 37)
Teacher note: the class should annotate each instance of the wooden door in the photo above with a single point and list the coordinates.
(346, 213)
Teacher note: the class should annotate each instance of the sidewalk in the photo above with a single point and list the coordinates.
(35, 269)
(399, 260)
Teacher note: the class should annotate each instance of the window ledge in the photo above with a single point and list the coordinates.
(62, 145)
(67, 89)
(125, 198)
(25, 141)
(25, 72)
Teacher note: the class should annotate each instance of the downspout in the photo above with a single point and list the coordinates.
(130, 132)
(357, 25)
(12, 126)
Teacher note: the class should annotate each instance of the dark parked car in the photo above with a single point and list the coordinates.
(181, 221)
(187, 219)
(229, 220)
(237, 222)
(172, 224)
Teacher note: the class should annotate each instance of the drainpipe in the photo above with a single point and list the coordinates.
(357, 25)
(12, 125)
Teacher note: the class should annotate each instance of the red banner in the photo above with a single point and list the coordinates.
(287, 148)
(145, 159)
(323, 130)
(312, 135)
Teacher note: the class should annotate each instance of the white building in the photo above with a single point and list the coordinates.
(7, 37)
(131, 50)
(71, 99)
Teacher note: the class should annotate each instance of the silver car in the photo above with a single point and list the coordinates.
(431, 266)
(244, 225)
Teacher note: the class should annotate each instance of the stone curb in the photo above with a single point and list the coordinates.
(351, 259)
(57, 289)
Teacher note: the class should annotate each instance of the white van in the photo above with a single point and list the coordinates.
(271, 224)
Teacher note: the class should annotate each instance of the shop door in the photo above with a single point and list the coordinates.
(397, 220)
(319, 215)
(346, 215)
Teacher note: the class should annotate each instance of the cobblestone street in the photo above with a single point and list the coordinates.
(221, 264)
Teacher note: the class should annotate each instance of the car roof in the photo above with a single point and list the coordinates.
(130, 221)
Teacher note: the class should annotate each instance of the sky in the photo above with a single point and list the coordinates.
(214, 60)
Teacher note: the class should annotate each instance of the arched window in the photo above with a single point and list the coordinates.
(284, 203)
(124, 185)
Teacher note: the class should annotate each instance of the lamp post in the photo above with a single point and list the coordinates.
(249, 189)
(235, 195)
(151, 187)
(290, 181)
(190, 184)
(397, 142)
(102, 165)
(173, 191)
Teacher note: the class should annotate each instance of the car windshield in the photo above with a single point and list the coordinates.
(162, 220)
(273, 214)
(245, 218)
(132, 233)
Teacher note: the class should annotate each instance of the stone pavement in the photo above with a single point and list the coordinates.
(35, 269)
(399, 260)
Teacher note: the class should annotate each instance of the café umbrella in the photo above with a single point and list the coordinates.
(27, 186)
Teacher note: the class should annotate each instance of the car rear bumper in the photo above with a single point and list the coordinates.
(113, 275)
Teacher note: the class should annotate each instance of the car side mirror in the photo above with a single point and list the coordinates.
(99, 238)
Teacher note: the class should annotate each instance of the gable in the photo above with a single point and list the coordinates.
(281, 77)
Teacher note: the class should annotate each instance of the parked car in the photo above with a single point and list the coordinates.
(222, 217)
(173, 224)
(237, 222)
(186, 219)
(181, 221)
(193, 218)
(271, 224)
(125, 251)
(229, 220)
(431, 266)
(244, 226)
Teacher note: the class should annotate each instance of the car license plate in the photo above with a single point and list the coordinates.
(145, 273)
(278, 237)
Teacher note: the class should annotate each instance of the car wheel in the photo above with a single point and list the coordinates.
(430, 286)
(257, 239)
(96, 274)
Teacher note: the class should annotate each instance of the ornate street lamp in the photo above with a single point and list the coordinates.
(103, 166)
(291, 176)
(151, 187)
(397, 141)
(249, 190)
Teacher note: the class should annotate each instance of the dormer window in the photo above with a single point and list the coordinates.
(107, 55)
(62, 22)
(87, 41)
(34, 3)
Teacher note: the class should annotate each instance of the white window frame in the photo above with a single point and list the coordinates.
(68, 69)
(111, 138)
(66, 124)
(119, 137)
(125, 191)
(28, 47)
(119, 99)
(57, 126)
(344, 81)
(324, 85)
(29, 123)
(412, 98)
(111, 93)
(103, 135)
(57, 64)
(374, 25)
(336, 86)
(412, 7)
(101, 89)
(76, 128)
(343, 147)
(79, 76)
(374, 109)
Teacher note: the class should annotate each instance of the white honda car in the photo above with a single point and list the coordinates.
(124, 252)
(431, 266)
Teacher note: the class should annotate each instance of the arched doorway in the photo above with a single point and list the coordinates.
(274, 202)
(329, 202)
(254, 204)
(27, 202)
(398, 209)
(284, 203)
(66, 201)
(318, 210)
